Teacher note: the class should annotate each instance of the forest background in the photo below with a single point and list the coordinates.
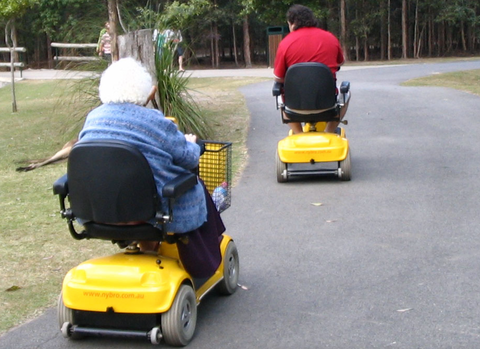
(228, 33)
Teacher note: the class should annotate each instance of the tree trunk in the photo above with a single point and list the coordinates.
(441, 38)
(343, 29)
(113, 19)
(430, 36)
(389, 34)
(14, 41)
(10, 25)
(138, 45)
(235, 54)
(404, 29)
(448, 39)
(365, 48)
(49, 53)
(415, 33)
(462, 33)
(246, 43)
(216, 47)
(212, 45)
(472, 32)
(357, 48)
(383, 30)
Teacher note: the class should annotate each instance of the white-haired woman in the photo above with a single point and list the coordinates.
(125, 89)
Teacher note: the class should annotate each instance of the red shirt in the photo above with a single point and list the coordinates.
(308, 45)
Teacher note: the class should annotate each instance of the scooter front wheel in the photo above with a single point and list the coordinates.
(65, 319)
(179, 322)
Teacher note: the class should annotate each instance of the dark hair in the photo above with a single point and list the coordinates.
(301, 16)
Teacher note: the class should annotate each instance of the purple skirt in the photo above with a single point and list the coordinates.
(199, 249)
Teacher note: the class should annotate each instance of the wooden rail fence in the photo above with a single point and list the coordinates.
(19, 65)
(59, 47)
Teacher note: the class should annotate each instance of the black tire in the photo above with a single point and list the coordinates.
(231, 270)
(345, 168)
(64, 314)
(65, 319)
(179, 322)
(282, 174)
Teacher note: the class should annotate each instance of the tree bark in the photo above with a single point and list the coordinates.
(246, 43)
(343, 29)
(234, 38)
(138, 45)
(462, 33)
(383, 30)
(441, 38)
(113, 19)
(212, 45)
(216, 46)
(10, 25)
(357, 48)
(416, 34)
(430, 36)
(404, 29)
(389, 33)
(365, 48)
(49, 52)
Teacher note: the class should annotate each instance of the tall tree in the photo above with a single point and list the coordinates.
(246, 43)
(343, 28)
(9, 10)
(404, 28)
(113, 19)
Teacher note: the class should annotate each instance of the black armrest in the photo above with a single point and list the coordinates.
(179, 185)
(277, 88)
(345, 87)
(60, 187)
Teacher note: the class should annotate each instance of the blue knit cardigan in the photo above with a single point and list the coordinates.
(164, 147)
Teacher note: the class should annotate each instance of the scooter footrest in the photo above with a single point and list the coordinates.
(102, 332)
(115, 321)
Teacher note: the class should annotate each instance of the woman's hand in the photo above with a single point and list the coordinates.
(191, 138)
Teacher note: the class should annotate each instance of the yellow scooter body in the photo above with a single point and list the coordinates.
(313, 146)
(132, 283)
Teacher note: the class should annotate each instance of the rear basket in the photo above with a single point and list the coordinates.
(215, 169)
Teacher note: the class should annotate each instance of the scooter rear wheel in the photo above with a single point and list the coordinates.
(282, 174)
(231, 269)
(179, 322)
(345, 167)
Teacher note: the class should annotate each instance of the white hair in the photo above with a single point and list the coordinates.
(125, 81)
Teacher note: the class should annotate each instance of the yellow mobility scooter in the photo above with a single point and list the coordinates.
(134, 294)
(309, 96)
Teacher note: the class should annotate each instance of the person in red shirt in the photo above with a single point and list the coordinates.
(307, 43)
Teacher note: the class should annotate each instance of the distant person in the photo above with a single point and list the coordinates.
(104, 43)
(308, 43)
(174, 37)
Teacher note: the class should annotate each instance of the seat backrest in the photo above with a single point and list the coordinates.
(309, 86)
(111, 182)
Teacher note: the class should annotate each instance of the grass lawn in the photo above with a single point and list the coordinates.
(35, 245)
(468, 81)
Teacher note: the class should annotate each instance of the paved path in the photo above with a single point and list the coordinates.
(49, 74)
(389, 260)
